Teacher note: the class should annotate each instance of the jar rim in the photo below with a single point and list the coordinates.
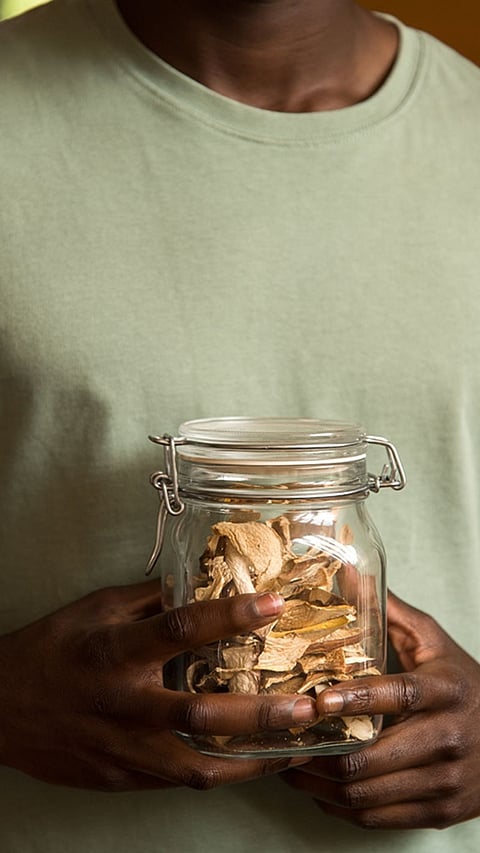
(272, 432)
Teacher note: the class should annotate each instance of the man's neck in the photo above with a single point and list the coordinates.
(285, 55)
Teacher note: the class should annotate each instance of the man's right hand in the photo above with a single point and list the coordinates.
(82, 699)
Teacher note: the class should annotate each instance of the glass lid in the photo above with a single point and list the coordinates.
(287, 433)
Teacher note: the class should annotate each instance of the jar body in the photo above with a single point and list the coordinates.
(326, 559)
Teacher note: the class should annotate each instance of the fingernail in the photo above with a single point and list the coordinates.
(304, 711)
(269, 604)
(331, 702)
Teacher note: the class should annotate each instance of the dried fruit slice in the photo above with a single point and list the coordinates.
(299, 614)
(345, 636)
(282, 653)
(347, 659)
(314, 632)
(287, 683)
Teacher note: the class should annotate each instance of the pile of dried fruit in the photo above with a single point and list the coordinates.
(315, 642)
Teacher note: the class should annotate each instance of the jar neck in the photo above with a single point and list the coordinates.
(278, 476)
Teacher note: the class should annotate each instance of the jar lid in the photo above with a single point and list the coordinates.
(275, 443)
(244, 458)
(339, 448)
(272, 433)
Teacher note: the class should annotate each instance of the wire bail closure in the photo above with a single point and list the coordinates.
(165, 482)
(393, 474)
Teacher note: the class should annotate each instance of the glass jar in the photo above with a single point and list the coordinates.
(275, 504)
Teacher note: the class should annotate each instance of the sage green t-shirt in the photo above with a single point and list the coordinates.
(166, 254)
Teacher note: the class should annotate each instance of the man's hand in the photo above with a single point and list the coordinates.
(82, 700)
(424, 769)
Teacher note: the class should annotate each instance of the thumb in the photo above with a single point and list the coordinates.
(414, 635)
(399, 612)
(166, 635)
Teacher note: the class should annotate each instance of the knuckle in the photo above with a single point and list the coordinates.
(459, 688)
(410, 694)
(202, 780)
(351, 766)
(454, 746)
(97, 652)
(192, 716)
(351, 797)
(105, 701)
(449, 814)
(368, 820)
(268, 716)
(113, 779)
(452, 782)
(176, 626)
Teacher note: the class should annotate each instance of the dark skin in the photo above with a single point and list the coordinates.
(423, 770)
(90, 709)
(286, 55)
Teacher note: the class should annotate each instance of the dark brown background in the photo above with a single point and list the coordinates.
(456, 23)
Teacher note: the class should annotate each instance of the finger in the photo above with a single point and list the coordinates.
(219, 714)
(400, 694)
(163, 637)
(416, 637)
(417, 784)
(420, 815)
(172, 763)
(401, 746)
(400, 612)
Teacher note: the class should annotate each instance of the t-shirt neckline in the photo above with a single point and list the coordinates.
(252, 122)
